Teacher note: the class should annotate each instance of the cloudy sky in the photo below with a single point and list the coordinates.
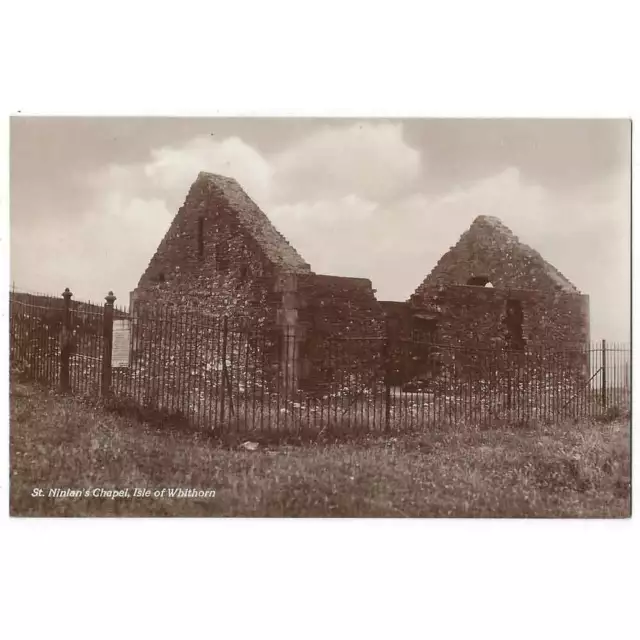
(91, 198)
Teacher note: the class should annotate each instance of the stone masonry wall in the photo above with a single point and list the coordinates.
(341, 325)
(475, 316)
(222, 259)
(474, 330)
(223, 273)
(489, 249)
(529, 306)
(207, 268)
(411, 335)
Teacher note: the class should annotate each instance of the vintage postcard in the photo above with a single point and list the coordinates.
(284, 317)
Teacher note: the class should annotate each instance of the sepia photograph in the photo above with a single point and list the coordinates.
(318, 320)
(320, 317)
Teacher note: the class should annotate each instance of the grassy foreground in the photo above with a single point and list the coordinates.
(565, 471)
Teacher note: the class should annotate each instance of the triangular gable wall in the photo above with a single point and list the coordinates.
(229, 222)
(489, 251)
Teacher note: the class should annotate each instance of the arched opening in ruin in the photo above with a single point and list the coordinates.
(479, 281)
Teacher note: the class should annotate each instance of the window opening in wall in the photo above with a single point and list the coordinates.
(222, 257)
(424, 328)
(201, 236)
(513, 321)
(479, 281)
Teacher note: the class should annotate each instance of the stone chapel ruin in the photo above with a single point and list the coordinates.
(222, 257)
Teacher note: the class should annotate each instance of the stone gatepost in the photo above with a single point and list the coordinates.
(293, 334)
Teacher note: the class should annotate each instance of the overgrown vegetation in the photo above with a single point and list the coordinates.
(569, 470)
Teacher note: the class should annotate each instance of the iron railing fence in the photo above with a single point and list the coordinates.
(233, 374)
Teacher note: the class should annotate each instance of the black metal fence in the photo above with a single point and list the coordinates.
(235, 375)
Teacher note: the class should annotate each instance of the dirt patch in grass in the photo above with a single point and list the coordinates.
(562, 471)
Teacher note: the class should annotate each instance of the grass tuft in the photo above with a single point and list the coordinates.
(567, 470)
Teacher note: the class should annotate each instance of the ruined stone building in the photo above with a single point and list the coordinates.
(222, 256)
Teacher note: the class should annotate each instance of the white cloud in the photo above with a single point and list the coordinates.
(349, 166)
(174, 169)
(370, 159)
(583, 233)
(108, 249)
(350, 200)
(330, 234)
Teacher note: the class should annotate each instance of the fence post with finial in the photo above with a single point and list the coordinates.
(107, 344)
(65, 343)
